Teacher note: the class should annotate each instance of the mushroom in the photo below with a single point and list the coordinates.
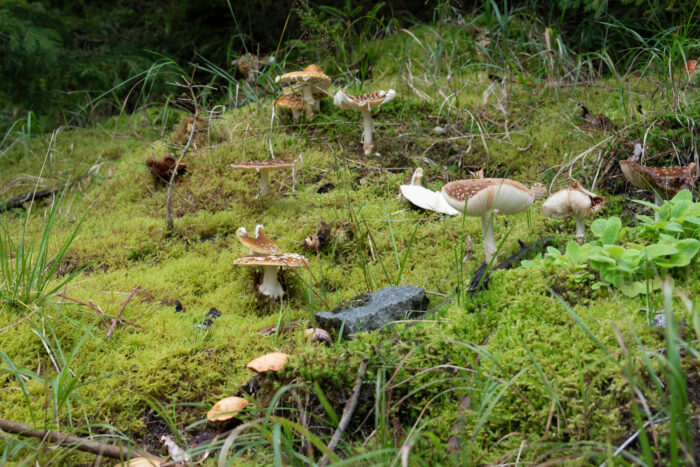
(272, 362)
(317, 335)
(291, 101)
(320, 89)
(665, 182)
(573, 201)
(163, 170)
(139, 462)
(270, 286)
(226, 409)
(485, 197)
(260, 244)
(312, 77)
(263, 168)
(364, 103)
(416, 180)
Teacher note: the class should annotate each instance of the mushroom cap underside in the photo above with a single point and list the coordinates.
(665, 181)
(363, 102)
(290, 260)
(427, 199)
(261, 165)
(573, 200)
(480, 196)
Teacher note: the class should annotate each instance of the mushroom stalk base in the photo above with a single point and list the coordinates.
(264, 183)
(270, 286)
(368, 145)
(489, 237)
(296, 114)
(580, 230)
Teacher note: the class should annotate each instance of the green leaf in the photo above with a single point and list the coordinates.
(659, 249)
(601, 258)
(612, 228)
(673, 227)
(615, 251)
(632, 289)
(573, 251)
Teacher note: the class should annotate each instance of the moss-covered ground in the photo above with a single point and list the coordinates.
(536, 382)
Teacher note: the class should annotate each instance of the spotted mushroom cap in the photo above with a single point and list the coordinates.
(290, 260)
(273, 362)
(307, 76)
(573, 200)
(139, 462)
(664, 181)
(290, 101)
(260, 244)
(481, 195)
(261, 165)
(365, 101)
(226, 409)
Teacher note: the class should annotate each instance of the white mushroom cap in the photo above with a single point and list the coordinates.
(139, 462)
(363, 102)
(481, 195)
(427, 199)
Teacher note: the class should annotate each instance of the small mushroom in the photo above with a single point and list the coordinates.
(270, 286)
(318, 335)
(272, 362)
(416, 180)
(226, 409)
(573, 201)
(308, 80)
(263, 168)
(163, 170)
(665, 182)
(260, 244)
(291, 101)
(364, 103)
(486, 197)
(139, 462)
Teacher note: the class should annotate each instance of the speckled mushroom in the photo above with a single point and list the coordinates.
(263, 168)
(364, 103)
(270, 286)
(258, 245)
(485, 197)
(291, 101)
(575, 201)
(307, 80)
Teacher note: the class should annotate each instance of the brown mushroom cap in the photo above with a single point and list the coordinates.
(312, 76)
(666, 182)
(573, 200)
(226, 409)
(481, 195)
(290, 101)
(261, 244)
(261, 165)
(270, 362)
(290, 260)
(318, 335)
(363, 102)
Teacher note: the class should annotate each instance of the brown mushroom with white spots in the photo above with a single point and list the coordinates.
(575, 201)
(486, 197)
(226, 409)
(307, 81)
(365, 104)
(270, 286)
(269, 363)
(264, 168)
(665, 182)
(258, 245)
(295, 102)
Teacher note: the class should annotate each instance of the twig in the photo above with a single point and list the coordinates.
(348, 411)
(81, 444)
(116, 319)
(99, 311)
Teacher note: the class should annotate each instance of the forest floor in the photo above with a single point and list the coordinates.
(531, 367)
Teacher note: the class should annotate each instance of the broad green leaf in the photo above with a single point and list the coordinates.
(612, 228)
(632, 289)
(659, 249)
(615, 251)
(673, 227)
(573, 251)
(602, 258)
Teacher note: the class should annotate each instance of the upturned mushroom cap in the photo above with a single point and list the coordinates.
(272, 362)
(482, 195)
(666, 182)
(261, 244)
(226, 409)
(363, 102)
(139, 462)
(290, 101)
(289, 260)
(314, 76)
(318, 335)
(261, 165)
(572, 201)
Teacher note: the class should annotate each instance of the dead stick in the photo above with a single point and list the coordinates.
(97, 310)
(81, 444)
(116, 319)
(349, 409)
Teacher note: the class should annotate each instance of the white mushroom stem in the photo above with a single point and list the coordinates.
(296, 114)
(264, 183)
(367, 135)
(490, 246)
(580, 230)
(309, 101)
(270, 286)
(317, 105)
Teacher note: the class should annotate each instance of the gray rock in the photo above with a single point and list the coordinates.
(659, 321)
(368, 312)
